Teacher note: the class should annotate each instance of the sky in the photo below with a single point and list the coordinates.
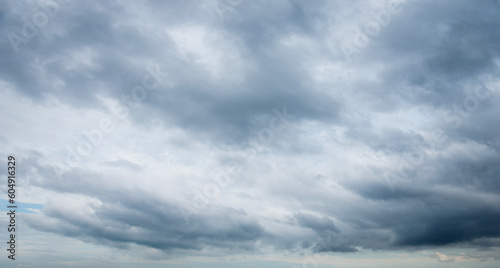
(251, 133)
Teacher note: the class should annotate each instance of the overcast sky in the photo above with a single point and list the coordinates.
(252, 133)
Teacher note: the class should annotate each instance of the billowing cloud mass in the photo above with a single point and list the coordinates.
(264, 131)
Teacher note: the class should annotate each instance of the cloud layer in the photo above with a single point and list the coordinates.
(210, 128)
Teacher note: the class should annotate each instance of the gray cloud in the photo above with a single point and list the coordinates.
(320, 185)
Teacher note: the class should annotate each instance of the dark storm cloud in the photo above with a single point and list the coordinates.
(434, 217)
(316, 223)
(447, 201)
(329, 237)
